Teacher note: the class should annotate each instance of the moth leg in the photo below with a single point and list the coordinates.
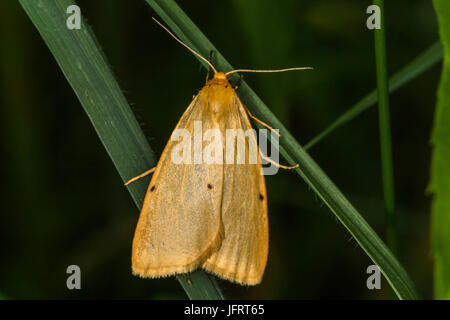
(146, 173)
(238, 83)
(277, 164)
(209, 69)
(264, 124)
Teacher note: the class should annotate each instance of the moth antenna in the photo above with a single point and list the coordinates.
(185, 45)
(267, 71)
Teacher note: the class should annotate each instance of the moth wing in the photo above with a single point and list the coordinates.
(242, 255)
(179, 224)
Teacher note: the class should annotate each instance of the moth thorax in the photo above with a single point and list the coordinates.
(219, 100)
(218, 95)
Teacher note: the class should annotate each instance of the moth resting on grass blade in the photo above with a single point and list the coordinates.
(210, 215)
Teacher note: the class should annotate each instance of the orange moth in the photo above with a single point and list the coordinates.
(206, 215)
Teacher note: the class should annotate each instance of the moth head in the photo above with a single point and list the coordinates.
(221, 76)
(220, 79)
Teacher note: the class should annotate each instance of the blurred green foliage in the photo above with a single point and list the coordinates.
(440, 174)
(63, 202)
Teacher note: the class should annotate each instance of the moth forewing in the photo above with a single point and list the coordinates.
(179, 224)
(242, 256)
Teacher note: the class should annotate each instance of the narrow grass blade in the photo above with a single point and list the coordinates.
(397, 277)
(440, 166)
(420, 64)
(80, 59)
(385, 131)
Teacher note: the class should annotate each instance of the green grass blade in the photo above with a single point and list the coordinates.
(385, 131)
(440, 166)
(397, 277)
(80, 59)
(200, 285)
(420, 64)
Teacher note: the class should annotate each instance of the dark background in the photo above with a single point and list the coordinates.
(63, 203)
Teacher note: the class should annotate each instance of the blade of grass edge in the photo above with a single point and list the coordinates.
(369, 241)
(81, 60)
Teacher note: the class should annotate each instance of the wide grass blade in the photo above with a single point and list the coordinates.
(397, 277)
(423, 62)
(440, 166)
(80, 59)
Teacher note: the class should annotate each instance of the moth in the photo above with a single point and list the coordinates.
(206, 215)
